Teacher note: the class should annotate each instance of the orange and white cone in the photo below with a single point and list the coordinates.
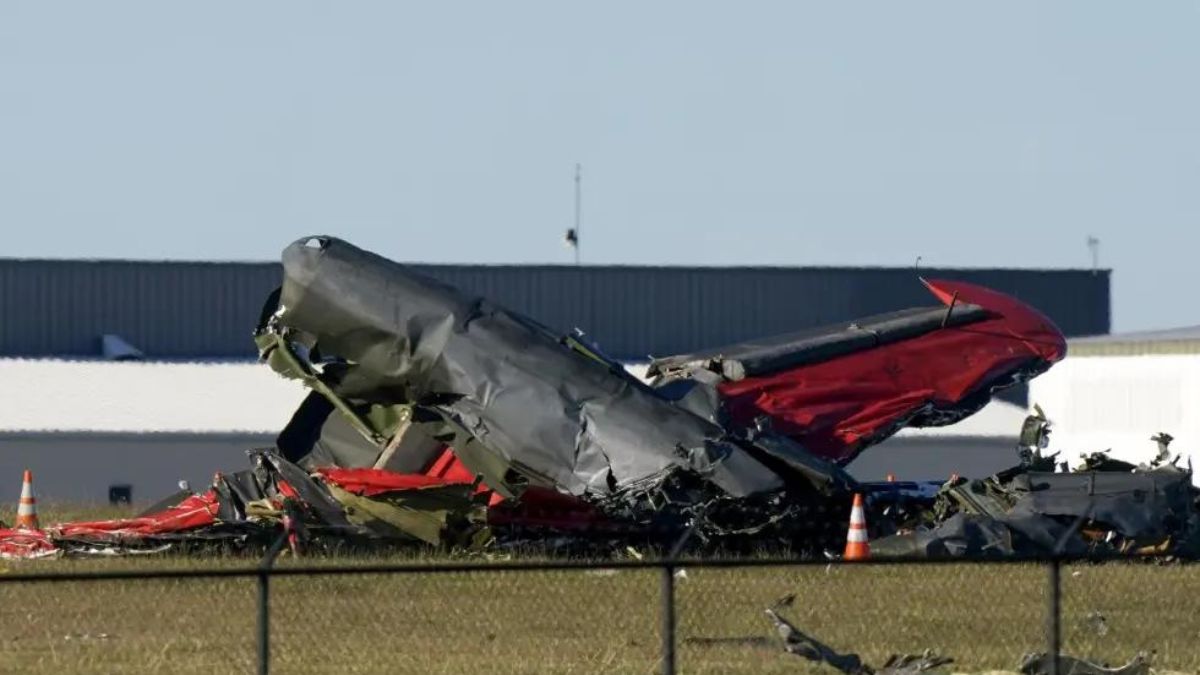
(27, 508)
(856, 539)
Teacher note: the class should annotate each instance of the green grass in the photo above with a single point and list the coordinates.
(596, 621)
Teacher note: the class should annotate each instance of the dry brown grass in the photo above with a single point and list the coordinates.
(602, 621)
(597, 621)
(54, 512)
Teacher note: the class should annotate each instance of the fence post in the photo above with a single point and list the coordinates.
(264, 618)
(264, 604)
(668, 619)
(1054, 614)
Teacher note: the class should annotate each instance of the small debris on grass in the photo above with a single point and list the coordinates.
(1096, 622)
(1042, 664)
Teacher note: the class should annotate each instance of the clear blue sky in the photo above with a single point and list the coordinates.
(781, 133)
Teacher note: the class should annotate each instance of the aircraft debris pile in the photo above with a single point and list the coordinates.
(436, 416)
(1103, 506)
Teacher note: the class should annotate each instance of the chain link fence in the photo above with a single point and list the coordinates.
(334, 616)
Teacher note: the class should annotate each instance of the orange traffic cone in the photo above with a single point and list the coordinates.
(856, 539)
(27, 507)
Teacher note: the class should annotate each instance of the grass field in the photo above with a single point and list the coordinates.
(595, 621)
(60, 513)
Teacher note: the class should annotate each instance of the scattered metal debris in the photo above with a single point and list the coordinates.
(907, 664)
(797, 642)
(784, 602)
(1096, 623)
(805, 646)
(1043, 664)
(1104, 506)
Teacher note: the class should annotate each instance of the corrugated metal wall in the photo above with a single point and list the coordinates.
(167, 310)
(207, 310)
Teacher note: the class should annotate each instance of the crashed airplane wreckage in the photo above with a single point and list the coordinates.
(436, 416)
(1103, 507)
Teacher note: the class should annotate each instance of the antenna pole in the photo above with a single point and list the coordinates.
(1094, 246)
(578, 209)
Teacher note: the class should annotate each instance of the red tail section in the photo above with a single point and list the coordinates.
(840, 406)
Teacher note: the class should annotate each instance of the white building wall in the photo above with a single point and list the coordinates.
(1119, 402)
(78, 468)
(49, 395)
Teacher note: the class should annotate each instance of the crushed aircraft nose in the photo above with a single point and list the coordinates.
(540, 412)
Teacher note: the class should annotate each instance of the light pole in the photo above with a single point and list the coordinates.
(572, 238)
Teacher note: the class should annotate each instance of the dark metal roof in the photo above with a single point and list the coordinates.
(208, 309)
